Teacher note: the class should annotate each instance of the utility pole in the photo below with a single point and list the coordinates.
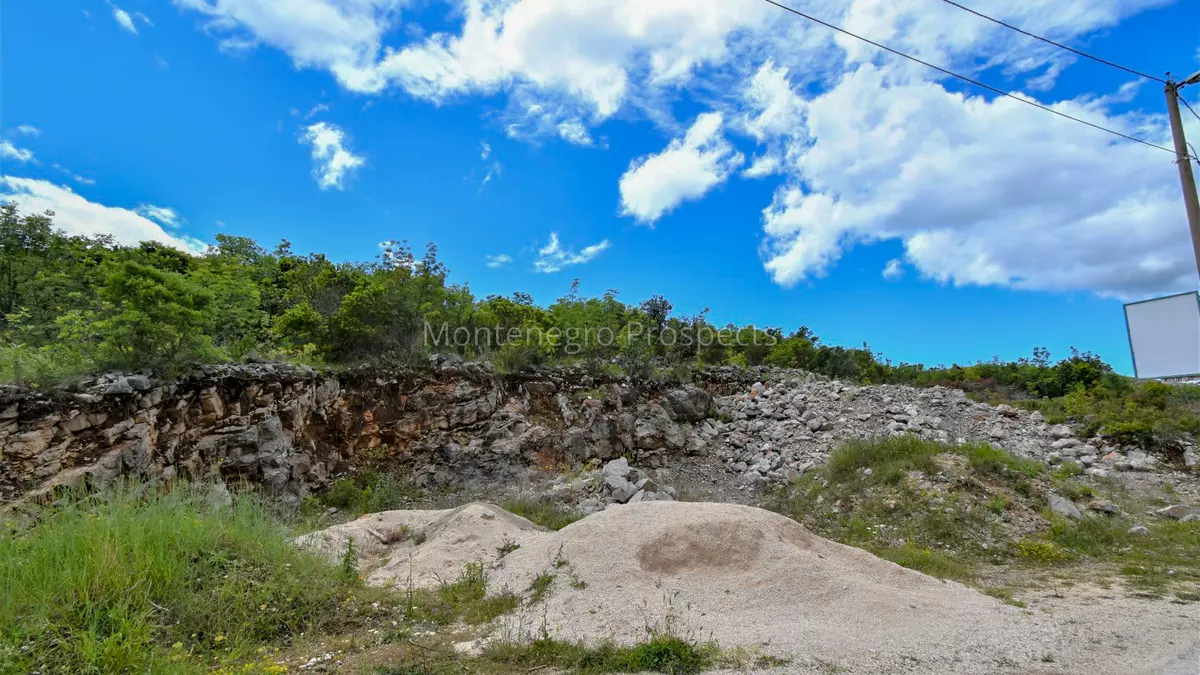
(1183, 158)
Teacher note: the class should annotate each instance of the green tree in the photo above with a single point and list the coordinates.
(153, 317)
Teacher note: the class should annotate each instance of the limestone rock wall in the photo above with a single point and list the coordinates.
(289, 428)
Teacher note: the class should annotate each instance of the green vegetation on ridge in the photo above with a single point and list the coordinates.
(72, 305)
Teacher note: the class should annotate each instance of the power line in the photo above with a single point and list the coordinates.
(1048, 41)
(964, 78)
(1185, 104)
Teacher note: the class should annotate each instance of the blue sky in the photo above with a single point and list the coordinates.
(720, 152)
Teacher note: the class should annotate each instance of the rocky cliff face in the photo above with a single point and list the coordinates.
(289, 428)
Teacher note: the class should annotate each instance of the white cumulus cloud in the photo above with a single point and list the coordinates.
(124, 19)
(686, 169)
(554, 256)
(76, 215)
(10, 151)
(594, 52)
(332, 160)
(893, 270)
(981, 192)
(27, 130)
(497, 261)
(163, 214)
(342, 37)
(573, 131)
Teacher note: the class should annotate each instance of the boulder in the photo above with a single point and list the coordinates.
(1104, 507)
(1140, 461)
(117, 387)
(138, 382)
(690, 404)
(654, 430)
(1061, 431)
(1063, 506)
(620, 489)
(618, 467)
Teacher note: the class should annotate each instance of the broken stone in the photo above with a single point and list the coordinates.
(1175, 511)
(1104, 507)
(617, 467)
(1063, 506)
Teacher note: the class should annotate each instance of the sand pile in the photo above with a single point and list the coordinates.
(745, 576)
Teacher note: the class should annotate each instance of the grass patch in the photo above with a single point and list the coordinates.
(998, 505)
(927, 561)
(927, 521)
(539, 588)
(133, 581)
(986, 459)
(507, 546)
(541, 512)
(659, 654)
(464, 599)
(888, 458)
(1004, 595)
(1149, 580)
(946, 510)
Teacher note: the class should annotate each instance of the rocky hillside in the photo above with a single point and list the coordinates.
(777, 430)
(291, 429)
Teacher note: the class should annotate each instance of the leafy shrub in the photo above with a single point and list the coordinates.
(344, 493)
(1040, 551)
(664, 654)
(370, 492)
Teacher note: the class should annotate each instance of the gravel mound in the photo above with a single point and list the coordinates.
(747, 577)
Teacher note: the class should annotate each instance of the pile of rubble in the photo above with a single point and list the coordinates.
(774, 432)
(614, 483)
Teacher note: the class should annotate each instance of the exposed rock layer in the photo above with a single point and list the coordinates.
(290, 429)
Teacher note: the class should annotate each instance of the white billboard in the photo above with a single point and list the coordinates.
(1164, 335)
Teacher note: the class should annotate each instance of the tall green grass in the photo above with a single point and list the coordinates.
(128, 582)
(888, 458)
(891, 457)
(541, 512)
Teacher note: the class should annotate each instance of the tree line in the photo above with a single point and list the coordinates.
(72, 305)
